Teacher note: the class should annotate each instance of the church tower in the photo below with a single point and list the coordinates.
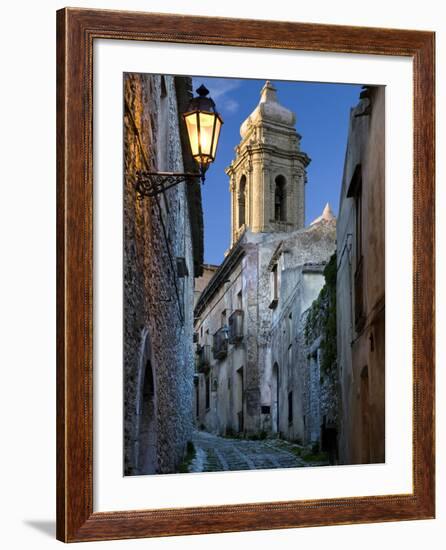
(268, 174)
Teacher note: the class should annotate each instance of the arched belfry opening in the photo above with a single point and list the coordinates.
(242, 202)
(280, 199)
(146, 456)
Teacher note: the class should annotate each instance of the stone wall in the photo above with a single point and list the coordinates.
(321, 379)
(158, 303)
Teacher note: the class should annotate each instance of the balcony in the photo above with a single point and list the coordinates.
(359, 296)
(203, 358)
(220, 347)
(236, 327)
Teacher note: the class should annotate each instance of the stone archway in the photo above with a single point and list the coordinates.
(146, 454)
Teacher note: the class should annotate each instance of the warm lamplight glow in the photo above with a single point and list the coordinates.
(203, 125)
(192, 132)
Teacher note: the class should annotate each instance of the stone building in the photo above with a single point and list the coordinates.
(250, 318)
(295, 339)
(361, 284)
(163, 252)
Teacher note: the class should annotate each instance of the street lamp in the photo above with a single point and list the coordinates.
(203, 124)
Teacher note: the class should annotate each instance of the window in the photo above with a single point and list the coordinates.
(239, 300)
(355, 192)
(235, 328)
(163, 93)
(279, 199)
(242, 202)
(290, 407)
(208, 392)
(182, 270)
(358, 226)
(274, 281)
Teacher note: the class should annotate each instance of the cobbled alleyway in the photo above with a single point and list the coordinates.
(214, 454)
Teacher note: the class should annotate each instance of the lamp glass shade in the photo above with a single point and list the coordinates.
(216, 136)
(203, 129)
(206, 133)
(191, 120)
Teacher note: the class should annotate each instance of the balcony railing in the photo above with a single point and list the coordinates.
(236, 327)
(220, 348)
(203, 358)
(359, 296)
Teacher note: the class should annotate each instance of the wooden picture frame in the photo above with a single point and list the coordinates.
(76, 31)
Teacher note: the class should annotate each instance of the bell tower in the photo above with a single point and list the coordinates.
(268, 174)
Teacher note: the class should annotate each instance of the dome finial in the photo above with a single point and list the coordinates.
(268, 110)
(268, 93)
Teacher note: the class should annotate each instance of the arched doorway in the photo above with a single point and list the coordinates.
(146, 421)
(275, 399)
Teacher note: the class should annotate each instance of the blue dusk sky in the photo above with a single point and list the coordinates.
(322, 118)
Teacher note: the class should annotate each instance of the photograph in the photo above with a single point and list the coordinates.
(254, 274)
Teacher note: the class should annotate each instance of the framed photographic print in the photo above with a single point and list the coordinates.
(245, 275)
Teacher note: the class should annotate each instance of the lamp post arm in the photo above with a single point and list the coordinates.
(149, 184)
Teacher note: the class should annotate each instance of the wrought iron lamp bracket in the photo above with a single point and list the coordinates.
(149, 184)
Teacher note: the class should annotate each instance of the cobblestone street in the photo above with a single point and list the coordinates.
(214, 454)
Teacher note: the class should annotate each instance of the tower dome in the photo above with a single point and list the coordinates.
(268, 110)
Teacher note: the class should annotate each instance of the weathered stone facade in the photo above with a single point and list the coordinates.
(361, 284)
(162, 235)
(250, 319)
